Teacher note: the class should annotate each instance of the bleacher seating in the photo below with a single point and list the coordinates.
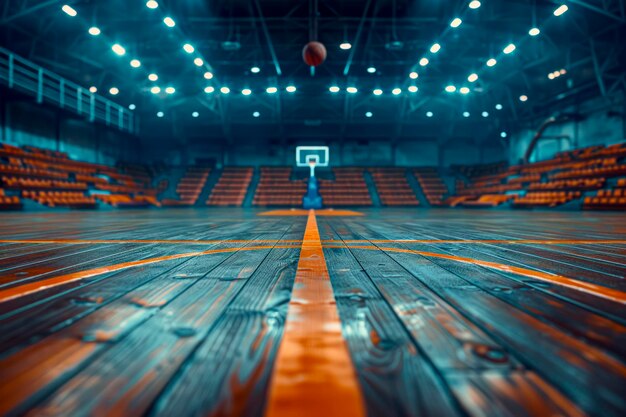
(347, 189)
(613, 199)
(9, 202)
(276, 188)
(189, 187)
(393, 187)
(52, 179)
(432, 185)
(231, 188)
(551, 183)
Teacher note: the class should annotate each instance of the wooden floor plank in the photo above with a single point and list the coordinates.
(163, 341)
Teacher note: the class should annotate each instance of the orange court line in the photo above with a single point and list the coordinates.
(494, 241)
(146, 241)
(36, 286)
(587, 287)
(313, 374)
(303, 212)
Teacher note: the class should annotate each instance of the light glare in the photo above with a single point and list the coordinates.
(474, 4)
(413, 88)
(435, 48)
(189, 48)
(456, 22)
(209, 89)
(114, 91)
(155, 90)
(152, 4)
(413, 75)
(351, 90)
(94, 31)
(153, 77)
(118, 49)
(450, 89)
(69, 10)
(491, 62)
(396, 91)
(170, 90)
(377, 92)
(509, 48)
(199, 62)
(291, 88)
(345, 46)
(333, 89)
(464, 90)
(93, 89)
(472, 77)
(560, 10)
(246, 91)
(135, 63)
(225, 90)
(534, 32)
(424, 62)
(169, 22)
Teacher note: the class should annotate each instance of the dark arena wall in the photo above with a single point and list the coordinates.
(430, 222)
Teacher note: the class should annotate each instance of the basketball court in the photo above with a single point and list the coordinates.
(313, 208)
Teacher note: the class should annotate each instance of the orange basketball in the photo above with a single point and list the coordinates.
(314, 53)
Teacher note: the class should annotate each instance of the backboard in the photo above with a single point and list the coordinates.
(319, 156)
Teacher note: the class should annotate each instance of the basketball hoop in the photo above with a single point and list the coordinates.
(312, 156)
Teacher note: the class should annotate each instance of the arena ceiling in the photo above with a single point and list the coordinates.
(456, 93)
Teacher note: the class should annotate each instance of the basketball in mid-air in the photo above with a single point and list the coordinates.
(314, 53)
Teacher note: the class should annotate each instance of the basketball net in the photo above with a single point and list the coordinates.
(312, 164)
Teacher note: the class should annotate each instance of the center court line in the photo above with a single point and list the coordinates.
(313, 374)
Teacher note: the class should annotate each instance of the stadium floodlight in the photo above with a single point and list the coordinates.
(189, 48)
(153, 77)
(290, 88)
(464, 90)
(271, 90)
(560, 10)
(491, 62)
(114, 91)
(246, 91)
(466, 114)
(413, 75)
(198, 62)
(413, 89)
(424, 62)
(450, 89)
(118, 49)
(160, 114)
(209, 89)
(435, 48)
(509, 48)
(69, 10)
(472, 77)
(333, 89)
(256, 114)
(345, 46)
(429, 114)
(94, 31)
(352, 90)
(523, 98)
(255, 70)
(475, 4)
(195, 114)
(170, 90)
(132, 107)
(155, 90)
(456, 22)
(152, 4)
(208, 75)
(371, 70)
(534, 32)
(396, 91)
(377, 91)
(93, 89)
(498, 106)
(225, 90)
(368, 114)
(169, 22)
(485, 114)
(503, 135)
(135, 63)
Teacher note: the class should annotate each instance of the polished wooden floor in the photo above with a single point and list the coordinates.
(393, 313)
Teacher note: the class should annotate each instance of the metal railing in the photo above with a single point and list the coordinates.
(47, 87)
